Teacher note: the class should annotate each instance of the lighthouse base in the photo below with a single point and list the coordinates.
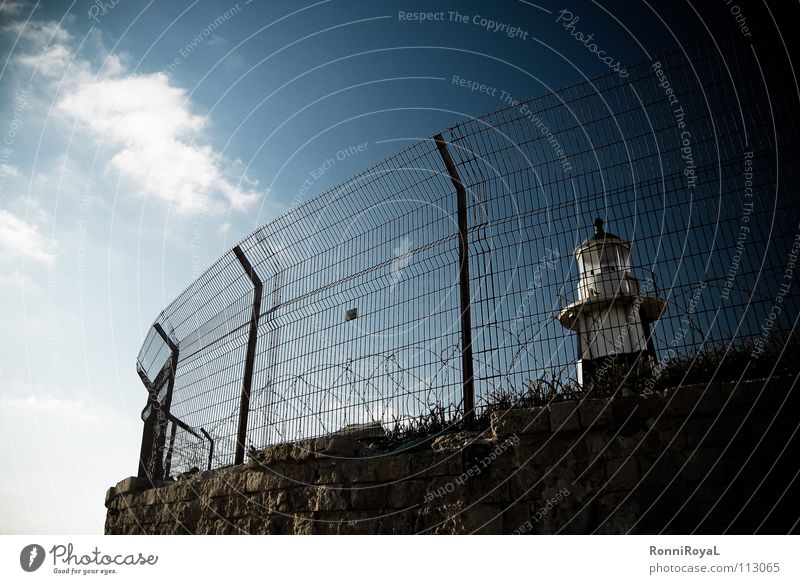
(596, 371)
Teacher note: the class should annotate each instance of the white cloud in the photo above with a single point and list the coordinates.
(8, 170)
(145, 125)
(19, 239)
(216, 41)
(11, 6)
(234, 61)
(50, 63)
(38, 33)
(148, 123)
(73, 409)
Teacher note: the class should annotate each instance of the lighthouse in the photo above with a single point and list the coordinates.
(611, 316)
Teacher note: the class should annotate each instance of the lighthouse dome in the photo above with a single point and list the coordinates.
(601, 237)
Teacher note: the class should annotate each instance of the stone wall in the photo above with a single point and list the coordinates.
(706, 459)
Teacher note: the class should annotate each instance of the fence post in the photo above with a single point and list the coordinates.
(149, 429)
(467, 370)
(210, 448)
(156, 425)
(247, 381)
(175, 353)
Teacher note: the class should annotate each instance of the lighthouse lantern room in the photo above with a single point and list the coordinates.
(611, 316)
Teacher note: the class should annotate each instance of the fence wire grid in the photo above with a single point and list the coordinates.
(353, 297)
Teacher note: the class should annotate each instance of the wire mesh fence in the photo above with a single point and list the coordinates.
(346, 313)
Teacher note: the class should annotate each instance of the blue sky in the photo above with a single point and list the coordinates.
(142, 140)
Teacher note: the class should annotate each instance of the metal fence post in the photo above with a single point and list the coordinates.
(175, 354)
(467, 370)
(156, 425)
(149, 430)
(247, 381)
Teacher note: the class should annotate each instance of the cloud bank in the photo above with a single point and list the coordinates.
(145, 126)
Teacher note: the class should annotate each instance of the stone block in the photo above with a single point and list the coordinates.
(637, 408)
(595, 413)
(616, 513)
(302, 450)
(439, 491)
(149, 497)
(526, 481)
(220, 487)
(133, 485)
(271, 454)
(517, 518)
(393, 467)
(479, 519)
(621, 446)
(546, 451)
(457, 441)
(564, 417)
(622, 473)
(124, 502)
(111, 494)
(253, 525)
(659, 470)
(357, 471)
(298, 499)
(277, 476)
(303, 524)
(407, 494)
(703, 464)
(371, 497)
(397, 523)
(360, 526)
(597, 442)
(711, 431)
(429, 464)
(337, 446)
(172, 494)
(519, 421)
(330, 499)
(699, 399)
(220, 527)
(429, 519)
(489, 488)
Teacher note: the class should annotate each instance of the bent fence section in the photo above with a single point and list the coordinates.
(367, 306)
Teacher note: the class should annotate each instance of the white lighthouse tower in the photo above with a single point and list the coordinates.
(611, 316)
